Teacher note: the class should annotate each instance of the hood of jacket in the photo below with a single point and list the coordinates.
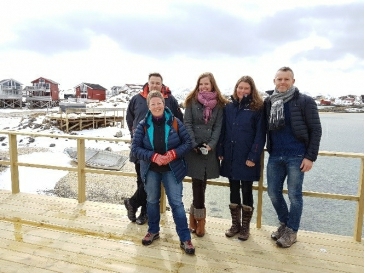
(165, 90)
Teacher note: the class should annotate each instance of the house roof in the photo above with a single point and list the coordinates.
(92, 86)
(6, 80)
(45, 79)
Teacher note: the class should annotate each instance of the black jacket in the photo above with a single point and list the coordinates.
(137, 107)
(305, 122)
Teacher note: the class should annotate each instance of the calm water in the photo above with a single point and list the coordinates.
(341, 133)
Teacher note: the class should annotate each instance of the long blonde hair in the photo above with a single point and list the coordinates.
(193, 95)
(257, 101)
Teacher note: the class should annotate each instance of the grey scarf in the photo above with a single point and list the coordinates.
(277, 116)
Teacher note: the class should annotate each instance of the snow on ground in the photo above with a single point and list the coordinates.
(32, 180)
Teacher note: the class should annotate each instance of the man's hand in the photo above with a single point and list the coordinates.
(306, 165)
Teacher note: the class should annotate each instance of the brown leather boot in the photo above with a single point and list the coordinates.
(236, 220)
(192, 222)
(200, 215)
(247, 212)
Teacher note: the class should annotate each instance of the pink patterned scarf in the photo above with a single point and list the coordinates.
(209, 101)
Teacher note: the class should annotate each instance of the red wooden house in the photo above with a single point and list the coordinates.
(42, 93)
(90, 91)
(45, 87)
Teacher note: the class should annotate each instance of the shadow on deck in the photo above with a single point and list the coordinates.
(50, 234)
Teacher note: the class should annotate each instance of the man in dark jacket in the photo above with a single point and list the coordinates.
(293, 136)
(136, 111)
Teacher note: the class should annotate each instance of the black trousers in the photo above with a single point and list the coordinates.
(199, 187)
(139, 198)
(246, 189)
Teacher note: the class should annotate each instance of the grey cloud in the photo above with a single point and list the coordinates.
(50, 37)
(202, 31)
(343, 26)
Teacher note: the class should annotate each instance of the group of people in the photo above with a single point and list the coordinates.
(219, 137)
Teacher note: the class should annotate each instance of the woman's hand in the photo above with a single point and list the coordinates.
(250, 163)
(208, 147)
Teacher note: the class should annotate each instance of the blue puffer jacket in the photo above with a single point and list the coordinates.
(305, 122)
(142, 145)
(242, 138)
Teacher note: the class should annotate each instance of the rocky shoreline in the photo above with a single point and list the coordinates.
(340, 109)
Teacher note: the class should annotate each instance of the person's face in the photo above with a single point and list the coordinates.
(205, 85)
(155, 83)
(243, 90)
(156, 107)
(283, 80)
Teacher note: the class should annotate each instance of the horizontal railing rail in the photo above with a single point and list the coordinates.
(81, 170)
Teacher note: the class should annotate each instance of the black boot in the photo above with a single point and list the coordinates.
(142, 218)
(131, 211)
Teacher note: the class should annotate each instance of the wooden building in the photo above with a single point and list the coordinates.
(10, 93)
(43, 93)
(90, 91)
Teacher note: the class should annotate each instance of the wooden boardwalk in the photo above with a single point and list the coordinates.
(49, 234)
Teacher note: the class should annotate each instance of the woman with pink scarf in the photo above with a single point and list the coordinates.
(203, 120)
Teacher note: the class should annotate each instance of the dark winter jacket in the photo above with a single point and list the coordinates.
(242, 138)
(142, 144)
(138, 108)
(305, 122)
(200, 166)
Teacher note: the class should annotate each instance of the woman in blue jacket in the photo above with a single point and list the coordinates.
(241, 143)
(160, 142)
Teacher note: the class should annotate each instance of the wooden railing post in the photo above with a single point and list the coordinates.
(81, 170)
(260, 193)
(14, 170)
(359, 222)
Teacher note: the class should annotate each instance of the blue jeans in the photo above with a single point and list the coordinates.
(174, 195)
(279, 168)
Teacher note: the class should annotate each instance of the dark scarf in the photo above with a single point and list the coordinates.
(209, 101)
(277, 116)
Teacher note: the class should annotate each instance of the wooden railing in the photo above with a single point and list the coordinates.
(81, 170)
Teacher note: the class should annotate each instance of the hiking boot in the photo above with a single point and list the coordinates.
(149, 238)
(236, 220)
(188, 247)
(247, 212)
(288, 238)
(280, 231)
(200, 215)
(142, 218)
(131, 211)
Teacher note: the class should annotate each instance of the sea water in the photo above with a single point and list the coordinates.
(341, 132)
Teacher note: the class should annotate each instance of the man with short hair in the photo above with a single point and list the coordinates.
(293, 136)
(136, 111)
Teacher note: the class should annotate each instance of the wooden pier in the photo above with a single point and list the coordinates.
(50, 234)
(77, 119)
(41, 233)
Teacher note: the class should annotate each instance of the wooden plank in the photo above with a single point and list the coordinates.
(360, 205)
(162, 252)
(260, 253)
(13, 153)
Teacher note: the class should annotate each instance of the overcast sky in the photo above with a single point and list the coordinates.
(117, 42)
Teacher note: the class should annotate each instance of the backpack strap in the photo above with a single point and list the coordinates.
(175, 125)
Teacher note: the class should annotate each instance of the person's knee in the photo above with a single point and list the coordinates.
(295, 197)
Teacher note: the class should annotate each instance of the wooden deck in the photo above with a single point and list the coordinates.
(49, 234)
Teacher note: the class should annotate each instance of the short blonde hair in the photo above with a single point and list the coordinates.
(154, 94)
